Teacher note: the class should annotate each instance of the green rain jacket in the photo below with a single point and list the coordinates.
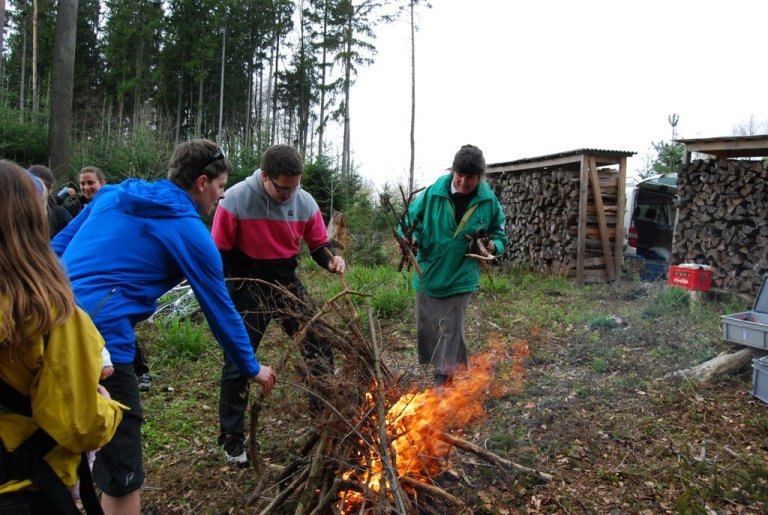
(441, 242)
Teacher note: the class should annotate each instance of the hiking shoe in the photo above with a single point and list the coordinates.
(234, 453)
(443, 379)
(145, 382)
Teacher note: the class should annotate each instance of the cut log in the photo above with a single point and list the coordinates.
(722, 364)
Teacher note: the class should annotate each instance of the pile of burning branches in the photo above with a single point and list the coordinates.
(377, 446)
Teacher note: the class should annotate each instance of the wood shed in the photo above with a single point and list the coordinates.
(722, 214)
(565, 212)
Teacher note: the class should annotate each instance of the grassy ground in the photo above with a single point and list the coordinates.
(579, 393)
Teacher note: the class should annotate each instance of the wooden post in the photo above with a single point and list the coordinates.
(582, 227)
(597, 194)
(621, 205)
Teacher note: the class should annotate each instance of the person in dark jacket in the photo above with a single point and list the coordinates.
(456, 207)
(58, 216)
(91, 179)
(130, 245)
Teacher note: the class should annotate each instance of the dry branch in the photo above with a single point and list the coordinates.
(282, 496)
(432, 490)
(491, 457)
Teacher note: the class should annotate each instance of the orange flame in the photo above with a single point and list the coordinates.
(416, 419)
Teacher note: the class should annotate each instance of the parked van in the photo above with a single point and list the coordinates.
(649, 220)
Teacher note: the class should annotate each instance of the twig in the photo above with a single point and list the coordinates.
(292, 467)
(491, 457)
(256, 461)
(314, 477)
(386, 459)
(403, 241)
(282, 496)
(355, 316)
(432, 490)
(328, 498)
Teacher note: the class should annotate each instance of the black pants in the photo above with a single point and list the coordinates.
(258, 304)
(26, 503)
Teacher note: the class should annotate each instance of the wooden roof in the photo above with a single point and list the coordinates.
(727, 146)
(570, 160)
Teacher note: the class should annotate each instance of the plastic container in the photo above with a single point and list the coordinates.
(750, 328)
(691, 277)
(760, 378)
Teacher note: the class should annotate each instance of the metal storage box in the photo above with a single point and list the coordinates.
(750, 328)
(760, 378)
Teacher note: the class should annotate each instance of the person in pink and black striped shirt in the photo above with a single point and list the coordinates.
(258, 228)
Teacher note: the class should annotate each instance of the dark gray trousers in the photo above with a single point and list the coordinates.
(440, 331)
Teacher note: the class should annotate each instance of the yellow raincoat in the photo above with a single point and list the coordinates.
(60, 375)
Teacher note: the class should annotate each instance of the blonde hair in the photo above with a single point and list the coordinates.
(35, 294)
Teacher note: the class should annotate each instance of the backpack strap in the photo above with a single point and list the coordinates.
(27, 462)
(13, 401)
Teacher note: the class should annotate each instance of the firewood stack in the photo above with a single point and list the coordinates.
(542, 216)
(722, 221)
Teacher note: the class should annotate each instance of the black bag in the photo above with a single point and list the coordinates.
(26, 461)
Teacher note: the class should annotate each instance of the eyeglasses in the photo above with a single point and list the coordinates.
(284, 190)
(216, 156)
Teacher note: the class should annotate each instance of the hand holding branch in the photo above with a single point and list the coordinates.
(266, 378)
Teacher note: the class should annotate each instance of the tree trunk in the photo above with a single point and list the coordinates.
(59, 131)
(321, 125)
(413, 103)
(199, 124)
(345, 165)
(2, 40)
(23, 62)
(249, 108)
(35, 87)
(221, 85)
(275, 70)
(178, 108)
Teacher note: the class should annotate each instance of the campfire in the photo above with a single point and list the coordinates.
(414, 425)
(382, 440)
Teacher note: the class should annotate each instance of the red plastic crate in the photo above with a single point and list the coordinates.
(699, 279)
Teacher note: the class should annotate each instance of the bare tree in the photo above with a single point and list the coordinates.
(62, 75)
(411, 7)
(750, 127)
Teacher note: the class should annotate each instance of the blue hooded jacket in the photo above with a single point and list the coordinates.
(130, 245)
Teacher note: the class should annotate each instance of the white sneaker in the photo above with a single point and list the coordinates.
(235, 454)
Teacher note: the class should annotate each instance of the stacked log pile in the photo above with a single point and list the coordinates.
(722, 221)
(542, 216)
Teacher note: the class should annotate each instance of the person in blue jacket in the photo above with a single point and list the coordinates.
(129, 246)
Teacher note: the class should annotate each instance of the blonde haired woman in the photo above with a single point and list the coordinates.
(51, 410)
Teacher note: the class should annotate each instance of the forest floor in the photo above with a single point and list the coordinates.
(587, 402)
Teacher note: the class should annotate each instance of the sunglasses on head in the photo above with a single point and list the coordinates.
(217, 155)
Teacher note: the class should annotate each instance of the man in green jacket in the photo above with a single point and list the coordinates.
(457, 205)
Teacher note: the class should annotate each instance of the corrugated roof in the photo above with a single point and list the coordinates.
(561, 158)
(728, 146)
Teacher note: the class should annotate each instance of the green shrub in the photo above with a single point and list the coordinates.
(183, 338)
(23, 139)
(391, 302)
(495, 283)
(602, 322)
(667, 300)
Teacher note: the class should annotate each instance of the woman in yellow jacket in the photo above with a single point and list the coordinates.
(50, 358)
